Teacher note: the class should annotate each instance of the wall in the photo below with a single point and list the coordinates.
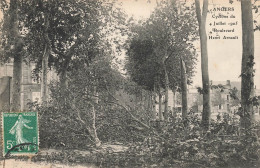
(5, 83)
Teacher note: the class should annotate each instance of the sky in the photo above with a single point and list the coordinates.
(224, 55)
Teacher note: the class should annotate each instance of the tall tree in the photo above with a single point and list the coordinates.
(90, 88)
(201, 17)
(166, 78)
(45, 58)
(13, 43)
(184, 92)
(94, 130)
(168, 36)
(60, 31)
(247, 71)
(65, 36)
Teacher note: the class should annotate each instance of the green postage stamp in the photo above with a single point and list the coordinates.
(20, 133)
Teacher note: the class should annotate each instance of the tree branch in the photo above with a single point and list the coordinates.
(133, 117)
(78, 112)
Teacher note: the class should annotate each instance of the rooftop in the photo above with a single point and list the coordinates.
(228, 83)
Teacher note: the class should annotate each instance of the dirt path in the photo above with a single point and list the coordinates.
(15, 163)
(12, 163)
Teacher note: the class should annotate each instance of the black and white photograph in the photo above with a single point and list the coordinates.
(130, 83)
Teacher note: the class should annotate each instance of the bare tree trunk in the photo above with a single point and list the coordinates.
(90, 126)
(18, 58)
(17, 77)
(204, 61)
(166, 110)
(147, 101)
(65, 66)
(160, 98)
(44, 75)
(150, 104)
(174, 103)
(63, 79)
(160, 105)
(184, 90)
(94, 130)
(153, 101)
(247, 74)
(64, 71)
(45, 58)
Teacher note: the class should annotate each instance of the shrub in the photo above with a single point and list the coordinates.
(189, 146)
(61, 128)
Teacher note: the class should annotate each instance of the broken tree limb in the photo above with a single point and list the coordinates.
(132, 116)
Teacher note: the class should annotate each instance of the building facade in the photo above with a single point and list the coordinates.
(30, 88)
(221, 100)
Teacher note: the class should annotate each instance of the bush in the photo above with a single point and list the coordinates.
(61, 128)
(189, 146)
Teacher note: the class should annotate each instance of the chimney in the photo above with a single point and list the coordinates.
(228, 82)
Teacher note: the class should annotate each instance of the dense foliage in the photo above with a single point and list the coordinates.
(70, 112)
(98, 105)
(159, 43)
(173, 145)
(222, 146)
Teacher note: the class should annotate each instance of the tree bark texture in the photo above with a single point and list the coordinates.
(18, 58)
(201, 17)
(94, 130)
(160, 105)
(63, 79)
(154, 102)
(174, 104)
(166, 110)
(247, 74)
(160, 98)
(184, 90)
(45, 57)
(44, 89)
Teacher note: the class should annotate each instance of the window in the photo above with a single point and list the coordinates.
(179, 110)
(227, 97)
(36, 96)
(228, 107)
(32, 67)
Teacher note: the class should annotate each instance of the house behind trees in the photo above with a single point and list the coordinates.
(30, 88)
(221, 101)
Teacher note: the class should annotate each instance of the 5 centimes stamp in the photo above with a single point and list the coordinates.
(20, 133)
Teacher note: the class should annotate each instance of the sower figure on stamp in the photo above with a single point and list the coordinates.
(17, 129)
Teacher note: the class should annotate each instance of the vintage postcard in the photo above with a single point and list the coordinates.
(130, 83)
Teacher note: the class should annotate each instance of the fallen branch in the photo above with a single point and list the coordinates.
(132, 116)
(128, 112)
(137, 120)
